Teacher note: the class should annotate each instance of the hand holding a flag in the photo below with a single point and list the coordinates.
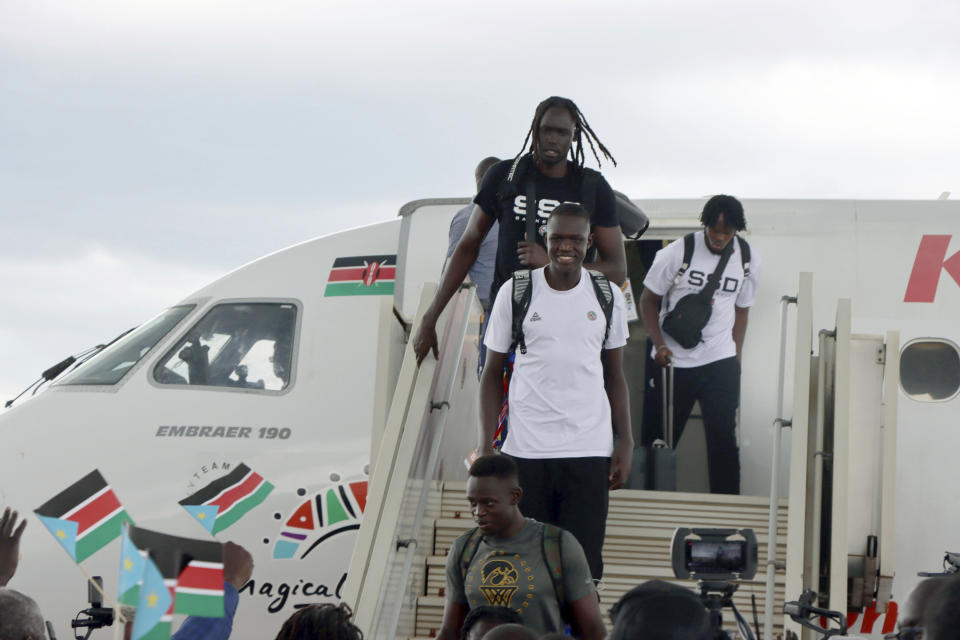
(9, 545)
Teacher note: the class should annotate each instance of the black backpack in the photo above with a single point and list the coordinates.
(685, 322)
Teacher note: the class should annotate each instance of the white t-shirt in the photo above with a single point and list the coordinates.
(734, 290)
(558, 405)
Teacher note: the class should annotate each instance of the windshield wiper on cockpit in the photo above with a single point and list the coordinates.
(53, 372)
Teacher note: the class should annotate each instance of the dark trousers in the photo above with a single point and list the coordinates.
(571, 493)
(717, 387)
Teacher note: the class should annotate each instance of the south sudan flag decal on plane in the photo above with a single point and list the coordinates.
(362, 276)
(225, 500)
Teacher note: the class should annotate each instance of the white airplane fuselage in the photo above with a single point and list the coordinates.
(157, 440)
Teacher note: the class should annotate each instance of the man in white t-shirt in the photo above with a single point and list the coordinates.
(569, 415)
(710, 371)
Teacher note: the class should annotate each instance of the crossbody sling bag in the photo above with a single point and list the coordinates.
(685, 322)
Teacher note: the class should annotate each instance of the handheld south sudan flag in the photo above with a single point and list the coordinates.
(193, 569)
(225, 500)
(362, 276)
(84, 517)
(132, 565)
(154, 605)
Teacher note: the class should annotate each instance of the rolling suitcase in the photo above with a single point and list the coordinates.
(662, 458)
(655, 467)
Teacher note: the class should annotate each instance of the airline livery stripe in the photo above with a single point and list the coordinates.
(218, 486)
(83, 504)
(241, 507)
(358, 274)
(103, 507)
(229, 498)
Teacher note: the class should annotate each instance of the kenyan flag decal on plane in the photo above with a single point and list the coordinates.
(362, 276)
(225, 500)
(84, 517)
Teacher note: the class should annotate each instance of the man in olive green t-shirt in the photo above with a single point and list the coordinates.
(509, 569)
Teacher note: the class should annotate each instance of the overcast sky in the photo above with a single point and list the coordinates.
(148, 147)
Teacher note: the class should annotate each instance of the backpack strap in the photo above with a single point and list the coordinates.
(469, 550)
(744, 256)
(688, 241)
(531, 216)
(552, 549)
(520, 298)
(604, 291)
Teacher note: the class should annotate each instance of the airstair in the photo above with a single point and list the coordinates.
(417, 507)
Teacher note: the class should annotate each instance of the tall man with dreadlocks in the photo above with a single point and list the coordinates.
(554, 168)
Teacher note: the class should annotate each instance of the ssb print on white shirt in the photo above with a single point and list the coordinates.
(558, 404)
(735, 290)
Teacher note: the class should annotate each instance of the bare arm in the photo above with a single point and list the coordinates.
(586, 618)
(612, 260)
(740, 327)
(453, 615)
(650, 314)
(457, 269)
(616, 385)
(491, 398)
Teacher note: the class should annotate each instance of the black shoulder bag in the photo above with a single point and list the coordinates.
(685, 322)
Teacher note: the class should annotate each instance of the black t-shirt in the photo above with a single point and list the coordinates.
(551, 192)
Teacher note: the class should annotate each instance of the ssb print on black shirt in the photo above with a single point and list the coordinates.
(551, 192)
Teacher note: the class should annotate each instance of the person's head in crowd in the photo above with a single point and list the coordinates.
(568, 237)
(658, 610)
(481, 619)
(511, 631)
(482, 169)
(558, 129)
(20, 617)
(321, 622)
(723, 217)
(941, 615)
(493, 491)
(912, 613)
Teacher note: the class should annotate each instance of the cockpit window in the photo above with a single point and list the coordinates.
(930, 370)
(111, 365)
(239, 345)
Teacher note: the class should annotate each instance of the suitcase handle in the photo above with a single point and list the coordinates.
(667, 386)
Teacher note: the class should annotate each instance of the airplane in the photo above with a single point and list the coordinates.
(298, 366)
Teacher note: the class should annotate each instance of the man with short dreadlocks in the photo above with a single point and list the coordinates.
(553, 169)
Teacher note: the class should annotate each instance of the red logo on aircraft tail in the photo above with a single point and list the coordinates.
(931, 258)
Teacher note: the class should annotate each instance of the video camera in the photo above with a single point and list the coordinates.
(951, 564)
(717, 559)
(98, 616)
